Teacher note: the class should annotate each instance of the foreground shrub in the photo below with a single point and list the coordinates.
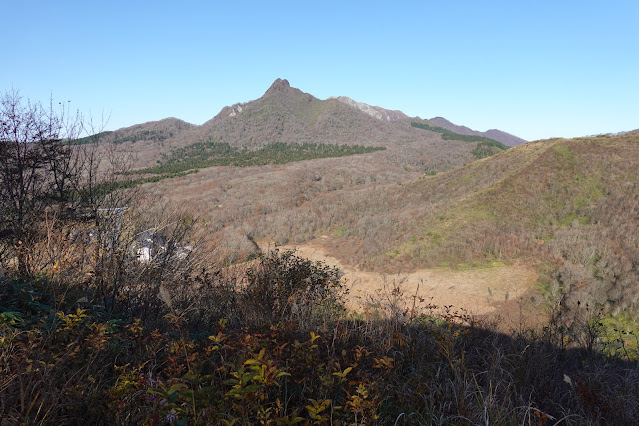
(282, 285)
(63, 361)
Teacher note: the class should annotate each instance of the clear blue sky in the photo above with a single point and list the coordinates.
(536, 69)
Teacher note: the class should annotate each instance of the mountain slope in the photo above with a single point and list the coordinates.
(286, 114)
(394, 115)
(572, 205)
(498, 135)
(568, 205)
(152, 131)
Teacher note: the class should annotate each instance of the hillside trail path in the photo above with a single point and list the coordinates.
(473, 291)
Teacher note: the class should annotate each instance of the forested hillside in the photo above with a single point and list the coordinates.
(548, 203)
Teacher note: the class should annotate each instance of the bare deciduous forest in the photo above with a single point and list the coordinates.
(532, 202)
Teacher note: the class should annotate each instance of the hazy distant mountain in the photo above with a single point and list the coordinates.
(498, 135)
(629, 132)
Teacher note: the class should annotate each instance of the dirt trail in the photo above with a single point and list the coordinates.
(478, 291)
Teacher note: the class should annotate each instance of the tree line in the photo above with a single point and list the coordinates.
(201, 155)
(485, 148)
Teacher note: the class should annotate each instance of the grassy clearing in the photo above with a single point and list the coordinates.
(486, 264)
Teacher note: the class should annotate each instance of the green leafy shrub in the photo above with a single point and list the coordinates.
(281, 285)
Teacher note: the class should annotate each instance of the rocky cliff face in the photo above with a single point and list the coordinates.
(374, 111)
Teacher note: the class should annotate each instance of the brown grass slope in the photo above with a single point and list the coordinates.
(571, 205)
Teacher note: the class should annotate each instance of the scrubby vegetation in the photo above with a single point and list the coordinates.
(207, 154)
(270, 343)
(450, 135)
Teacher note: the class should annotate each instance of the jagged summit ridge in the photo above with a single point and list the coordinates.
(289, 115)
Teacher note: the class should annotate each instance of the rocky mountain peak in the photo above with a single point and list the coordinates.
(278, 86)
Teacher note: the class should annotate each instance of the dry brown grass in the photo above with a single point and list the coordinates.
(476, 291)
